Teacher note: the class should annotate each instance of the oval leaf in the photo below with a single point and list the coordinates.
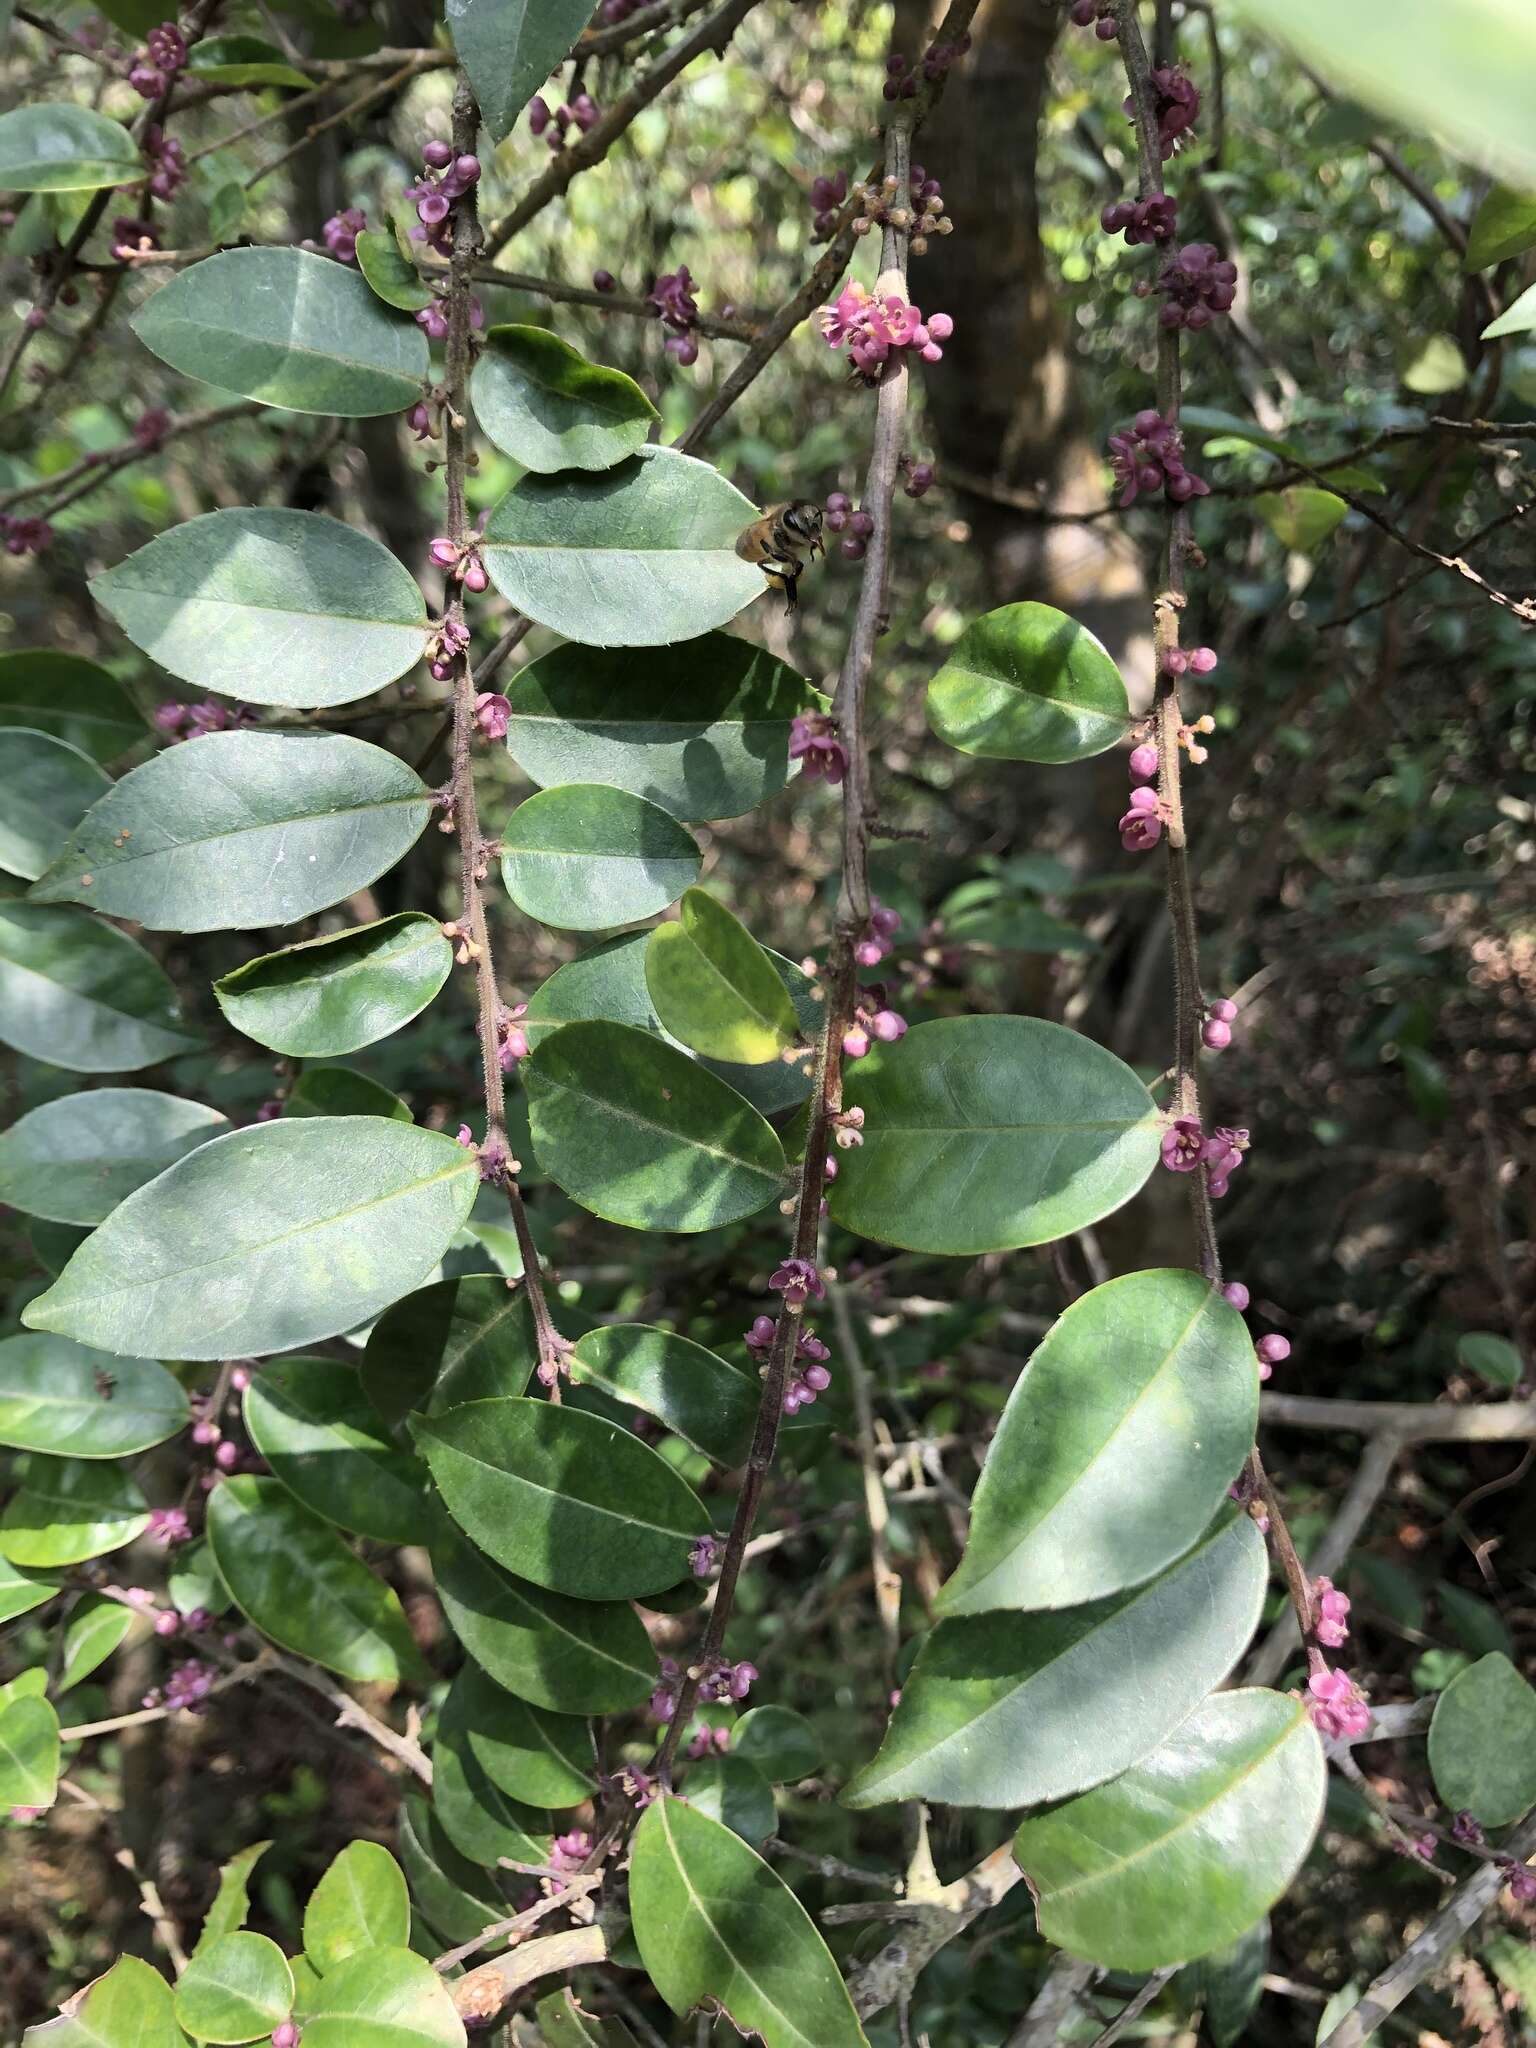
(239, 829)
(69, 1509)
(316, 1428)
(733, 1791)
(61, 1398)
(714, 1924)
(342, 1091)
(1014, 1710)
(243, 61)
(584, 856)
(72, 699)
(509, 49)
(535, 1757)
(293, 1578)
(467, 1339)
(480, 1821)
(360, 1903)
(1482, 1742)
(384, 1998)
(273, 606)
(391, 275)
(1117, 1446)
(568, 1500)
(46, 788)
(1183, 1852)
(638, 556)
(779, 1742)
(346, 990)
(1027, 683)
(640, 1134)
(55, 146)
(237, 1989)
(289, 328)
(456, 1899)
(94, 1631)
(714, 987)
(265, 1240)
(986, 1133)
(76, 1158)
(708, 1403)
(131, 2003)
(29, 1754)
(541, 402)
(19, 1594)
(78, 993)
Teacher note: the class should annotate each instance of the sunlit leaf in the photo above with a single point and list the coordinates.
(29, 1754)
(334, 994)
(699, 1397)
(547, 407)
(382, 1998)
(1482, 1742)
(46, 788)
(714, 988)
(62, 1398)
(1027, 683)
(67, 1510)
(75, 992)
(56, 146)
(236, 1989)
(360, 1903)
(74, 1159)
(131, 2004)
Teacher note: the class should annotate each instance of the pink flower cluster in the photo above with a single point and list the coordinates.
(445, 647)
(24, 536)
(827, 196)
(1099, 15)
(511, 1038)
(672, 297)
(163, 55)
(192, 721)
(872, 324)
(1337, 1705)
(1216, 1032)
(810, 1376)
(434, 319)
(1153, 219)
(1176, 102)
(188, 1685)
(167, 162)
(1148, 455)
(583, 112)
(341, 232)
(813, 742)
(878, 937)
(462, 561)
(1142, 825)
(493, 714)
(151, 428)
(1332, 1613)
(1186, 1146)
(445, 179)
(872, 1019)
(1196, 285)
(708, 1741)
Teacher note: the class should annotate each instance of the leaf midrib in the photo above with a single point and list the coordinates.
(625, 1520)
(662, 1130)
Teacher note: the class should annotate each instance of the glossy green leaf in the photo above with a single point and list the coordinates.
(702, 730)
(714, 988)
(466, 1339)
(733, 1791)
(535, 1757)
(1116, 1448)
(986, 1133)
(237, 1989)
(289, 328)
(479, 1819)
(242, 828)
(29, 1754)
(232, 1900)
(1492, 1358)
(584, 856)
(780, 1742)
(334, 994)
(1228, 1984)
(93, 1632)
(69, 1509)
(46, 788)
(714, 1924)
(708, 1403)
(1184, 1851)
(1301, 517)
(390, 273)
(265, 1240)
(315, 1426)
(70, 698)
(56, 146)
(1504, 225)
(77, 993)
(1482, 1742)
(74, 1159)
(541, 402)
(360, 1903)
(456, 1898)
(563, 2024)
(385, 1997)
(293, 1578)
(342, 1091)
(568, 1500)
(64, 1399)
(193, 1581)
(1027, 683)
(30, 1684)
(274, 606)
(640, 1134)
(639, 555)
(132, 2006)
(1016, 1709)
(509, 48)
(243, 61)
(572, 1656)
(20, 1594)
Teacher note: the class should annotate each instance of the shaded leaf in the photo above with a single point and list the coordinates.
(334, 994)
(19, 1594)
(243, 61)
(69, 1509)
(70, 698)
(1492, 1358)
(390, 273)
(1482, 1742)
(312, 1422)
(342, 1091)
(733, 1791)
(1434, 366)
(56, 146)
(457, 1899)
(509, 48)
(360, 1903)
(584, 856)
(714, 987)
(1301, 517)
(1504, 225)
(708, 1403)
(563, 2024)
(1027, 683)
(67, 1400)
(77, 993)
(780, 1742)
(479, 1820)
(536, 1758)
(1475, 1625)
(74, 1159)
(46, 788)
(1228, 1984)
(236, 1989)
(466, 1339)
(541, 402)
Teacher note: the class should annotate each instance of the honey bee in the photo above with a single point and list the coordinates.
(779, 541)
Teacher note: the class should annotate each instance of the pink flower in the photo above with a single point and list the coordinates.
(1184, 1145)
(1332, 1613)
(813, 742)
(798, 1281)
(341, 232)
(492, 715)
(1337, 1705)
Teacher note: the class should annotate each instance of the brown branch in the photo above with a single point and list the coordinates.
(91, 471)
(483, 1995)
(888, 1978)
(1410, 1422)
(713, 325)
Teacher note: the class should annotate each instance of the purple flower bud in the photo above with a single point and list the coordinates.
(1274, 1349)
(437, 156)
(852, 549)
(1143, 762)
(1215, 1036)
(286, 2035)
(604, 281)
(855, 1042)
(887, 1026)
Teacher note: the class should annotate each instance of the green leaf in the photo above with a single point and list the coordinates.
(385, 1997)
(640, 1134)
(478, 1818)
(585, 856)
(61, 1398)
(69, 1509)
(46, 788)
(193, 1581)
(1117, 1446)
(985, 1133)
(93, 1632)
(315, 1426)
(1017, 1709)
(715, 1925)
(391, 274)
(563, 2024)
(1027, 683)
(1504, 225)
(342, 1091)
(1434, 365)
(1514, 1963)
(293, 1578)
(334, 994)
(1228, 1984)
(78, 993)
(227, 210)
(733, 1791)
(243, 61)
(781, 1743)
(131, 2004)
(467, 1339)
(1301, 517)
(509, 48)
(360, 1903)
(26, 1685)
(708, 1403)
(242, 828)
(55, 146)
(265, 1240)
(232, 1900)
(703, 731)
(1475, 1625)
(541, 402)
(572, 1656)
(74, 1159)
(1518, 318)
(714, 987)
(638, 555)
(1184, 1851)
(1208, 421)
(19, 1594)
(274, 606)
(289, 328)
(237, 1989)
(1455, 69)
(72, 699)
(1482, 1742)
(568, 1500)
(533, 1756)
(456, 1899)
(29, 1754)
(1492, 1358)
